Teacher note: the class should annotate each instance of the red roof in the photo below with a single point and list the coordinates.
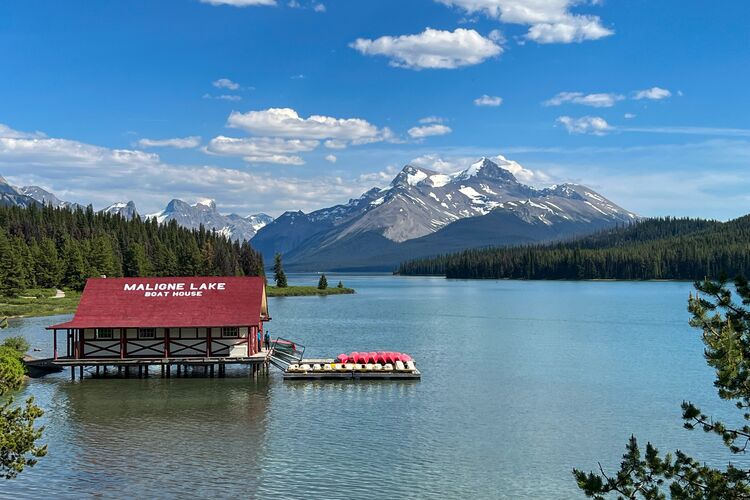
(170, 302)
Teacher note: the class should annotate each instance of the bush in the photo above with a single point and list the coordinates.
(12, 370)
(18, 344)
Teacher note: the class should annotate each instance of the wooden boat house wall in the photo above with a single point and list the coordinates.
(136, 318)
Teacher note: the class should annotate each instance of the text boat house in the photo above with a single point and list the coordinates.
(165, 321)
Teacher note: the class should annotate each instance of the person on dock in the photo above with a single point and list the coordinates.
(260, 340)
(268, 340)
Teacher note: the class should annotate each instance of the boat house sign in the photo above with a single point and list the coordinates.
(173, 289)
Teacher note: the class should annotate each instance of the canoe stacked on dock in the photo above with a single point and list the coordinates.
(357, 365)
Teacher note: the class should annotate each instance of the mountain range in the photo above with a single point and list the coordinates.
(204, 212)
(421, 213)
(424, 212)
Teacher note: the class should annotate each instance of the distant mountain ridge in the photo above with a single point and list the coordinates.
(204, 213)
(424, 212)
(233, 226)
(665, 248)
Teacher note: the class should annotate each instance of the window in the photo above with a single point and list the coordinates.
(104, 334)
(146, 333)
(230, 331)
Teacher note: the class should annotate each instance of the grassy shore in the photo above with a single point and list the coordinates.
(39, 302)
(297, 291)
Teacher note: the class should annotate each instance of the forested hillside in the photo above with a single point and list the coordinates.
(667, 248)
(59, 247)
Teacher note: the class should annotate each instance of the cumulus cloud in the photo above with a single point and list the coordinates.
(431, 49)
(603, 100)
(286, 122)
(225, 83)
(9, 133)
(262, 149)
(87, 173)
(331, 158)
(593, 125)
(319, 7)
(177, 142)
(429, 130)
(240, 3)
(488, 100)
(549, 21)
(653, 94)
(629, 116)
(332, 144)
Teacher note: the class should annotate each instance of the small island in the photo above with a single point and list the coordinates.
(298, 291)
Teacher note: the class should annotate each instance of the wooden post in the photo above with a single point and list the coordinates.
(82, 351)
(212, 370)
(73, 373)
(54, 337)
(97, 370)
(80, 372)
(166, 342)
(123, 342)
(208, 342)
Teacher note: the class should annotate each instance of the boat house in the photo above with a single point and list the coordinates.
(164, 321)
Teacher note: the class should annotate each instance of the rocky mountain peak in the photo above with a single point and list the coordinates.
(487, 169)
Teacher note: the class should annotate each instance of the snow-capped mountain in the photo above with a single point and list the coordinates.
(422, 204)
(204, 212)
(11, 196)
(46, 198)
(126, 210)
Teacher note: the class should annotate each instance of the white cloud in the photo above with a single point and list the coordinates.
(654, 94)
(431, 49)
(686, 130)
(223, 97)
(177, 142)
(488, 100)
(429, 130)
(7, 132)
(86, 173)
(331, 158)
(332, 144)
(319, 7)
(286, 122)
(262, 149)
(603, 100)
(549, 21)
(432, 119)
(593, 125)
(225, 83)
(629, 116)
(240, 3)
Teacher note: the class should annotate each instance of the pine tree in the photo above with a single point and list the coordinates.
(135, 263)
(725, 326)
(102, 258)
(278, 272)
(47, 266)
(322, 282)
(340, 285)
(74, 268)
(12, 276)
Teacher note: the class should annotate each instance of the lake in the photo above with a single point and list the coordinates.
(521, 382)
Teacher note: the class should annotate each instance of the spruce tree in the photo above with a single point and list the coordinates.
(322, 282)
(340, 285)
(74, 268)
(278, 272)
(12, 276)
(47, 266)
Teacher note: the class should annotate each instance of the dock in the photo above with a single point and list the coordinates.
(210, 364)
(329, 369)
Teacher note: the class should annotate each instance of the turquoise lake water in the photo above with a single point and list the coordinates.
(521, 382)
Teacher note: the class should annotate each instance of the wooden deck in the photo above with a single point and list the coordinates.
(349, 374)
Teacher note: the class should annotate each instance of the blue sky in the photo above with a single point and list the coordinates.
(273, 106)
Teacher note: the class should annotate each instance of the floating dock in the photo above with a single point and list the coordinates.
(329, 369)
